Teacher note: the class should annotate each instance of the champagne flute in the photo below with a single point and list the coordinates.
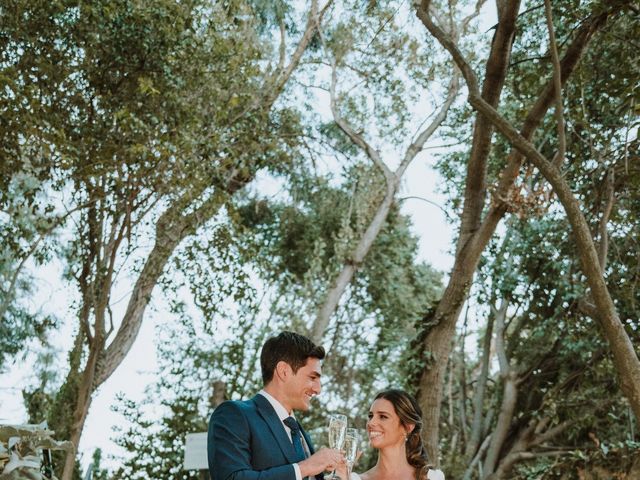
(351, 444)
(337, 431)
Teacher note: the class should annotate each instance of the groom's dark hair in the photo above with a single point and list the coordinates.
(289, 347)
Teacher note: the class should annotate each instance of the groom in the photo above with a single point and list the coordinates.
(260, 438)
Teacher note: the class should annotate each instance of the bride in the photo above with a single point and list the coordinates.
(394, 427)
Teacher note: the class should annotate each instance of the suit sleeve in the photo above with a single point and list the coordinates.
(229, 448)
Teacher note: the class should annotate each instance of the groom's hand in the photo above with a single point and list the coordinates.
(327, 459)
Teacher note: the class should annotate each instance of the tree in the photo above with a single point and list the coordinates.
(371, 58)
(478, 225)
(157, 111)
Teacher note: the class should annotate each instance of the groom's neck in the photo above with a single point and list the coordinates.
(278, 393)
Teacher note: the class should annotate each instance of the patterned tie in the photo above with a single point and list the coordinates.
(295, 437)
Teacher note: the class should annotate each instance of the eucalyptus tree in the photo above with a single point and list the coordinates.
(143, 120)
(479, 219)
(376, 76)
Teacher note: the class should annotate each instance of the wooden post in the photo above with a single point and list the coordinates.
(218, 393)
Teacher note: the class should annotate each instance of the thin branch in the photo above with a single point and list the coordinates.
(552, 432)
(603, 246)
(465, 21)
(416, 147)
(430, 202)
(557, 83)
(355, 137)
(282, 46)
(324, 9)
(527, 59)
(109, 331)
(500, 315)
(384, 24)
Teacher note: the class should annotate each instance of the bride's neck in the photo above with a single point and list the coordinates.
(391, 459)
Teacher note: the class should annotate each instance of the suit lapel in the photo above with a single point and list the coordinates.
(271, 418)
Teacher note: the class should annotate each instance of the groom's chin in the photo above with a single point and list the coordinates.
(306, 404)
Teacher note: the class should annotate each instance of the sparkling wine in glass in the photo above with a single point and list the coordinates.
(337, 431)
(350, 447)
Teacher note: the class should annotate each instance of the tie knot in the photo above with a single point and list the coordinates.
(292, 424)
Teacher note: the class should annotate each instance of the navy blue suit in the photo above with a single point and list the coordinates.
(247, 441)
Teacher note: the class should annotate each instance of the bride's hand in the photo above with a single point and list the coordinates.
(342, 471)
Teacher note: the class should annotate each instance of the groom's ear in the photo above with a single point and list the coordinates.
(283, 370)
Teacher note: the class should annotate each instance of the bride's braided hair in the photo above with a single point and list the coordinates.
(410, 413)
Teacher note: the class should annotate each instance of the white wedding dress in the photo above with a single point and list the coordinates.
(431, 475)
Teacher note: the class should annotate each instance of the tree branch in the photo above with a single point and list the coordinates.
(283, 45)
(476, 459)
(603, 245)
(557, 83)
(417, 146)
(355, 137)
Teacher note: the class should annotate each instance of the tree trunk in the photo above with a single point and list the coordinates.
(495, 74)
(80, 413)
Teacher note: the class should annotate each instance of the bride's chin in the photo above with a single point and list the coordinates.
(374, 443)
